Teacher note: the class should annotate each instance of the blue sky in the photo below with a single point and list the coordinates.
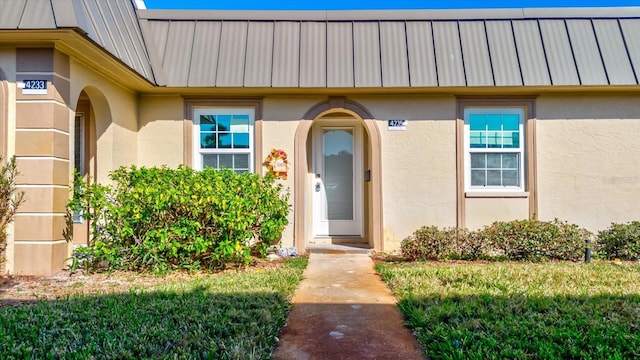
(375, 4)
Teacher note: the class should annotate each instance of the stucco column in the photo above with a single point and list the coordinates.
(42, 152)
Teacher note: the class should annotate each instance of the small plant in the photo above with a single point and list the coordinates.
(620, 241)
(10, 200)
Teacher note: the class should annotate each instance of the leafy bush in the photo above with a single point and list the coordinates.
(161, 218)
(530, 240)
(620, 241)
(535, 240)
(10, 200)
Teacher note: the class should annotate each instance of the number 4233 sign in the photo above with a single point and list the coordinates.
(33, 87)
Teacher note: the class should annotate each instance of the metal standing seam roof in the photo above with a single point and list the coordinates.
(112, 24)
(522, 47)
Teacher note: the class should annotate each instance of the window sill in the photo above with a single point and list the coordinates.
(496, 194)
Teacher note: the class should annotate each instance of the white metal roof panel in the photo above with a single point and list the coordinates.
(313, 54)
(177, 56)
(614, 52)
(366, 54)
(586, 51)
(631, 32)
(559, 53)
(259, 59)
(37, 14)
(11, 13)
(448, 54)
(504, 57)
(533, 63)
(393, 45)
(286, 54)
(204, 61)
(475, 50)
(340, 54)
(422, 61)
(157, 34)
(233, 46)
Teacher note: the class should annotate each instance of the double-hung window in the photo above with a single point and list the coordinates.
(223, 138)
(494, 144)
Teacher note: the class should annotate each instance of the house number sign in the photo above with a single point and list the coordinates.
(397, 125)
(34, 87)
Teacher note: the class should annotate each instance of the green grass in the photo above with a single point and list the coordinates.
(520, 310)
(235, 315)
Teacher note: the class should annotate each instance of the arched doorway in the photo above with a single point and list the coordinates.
(92, 117)
(338, 192)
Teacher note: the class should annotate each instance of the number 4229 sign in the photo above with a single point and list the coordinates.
(397, 125)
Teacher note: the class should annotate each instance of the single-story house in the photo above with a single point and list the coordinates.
(390, 120)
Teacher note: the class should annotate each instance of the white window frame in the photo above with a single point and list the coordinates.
(79, 134)
(198, 151)
(468, 150)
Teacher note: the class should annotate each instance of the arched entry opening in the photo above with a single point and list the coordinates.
(92, 118)
(338, 192)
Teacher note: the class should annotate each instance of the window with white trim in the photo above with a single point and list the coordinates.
(494, 148)
(223, 138)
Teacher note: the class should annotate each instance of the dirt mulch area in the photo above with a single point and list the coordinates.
(21, 290)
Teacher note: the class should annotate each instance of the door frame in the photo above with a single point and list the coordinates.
(302, 205)
(357, 223)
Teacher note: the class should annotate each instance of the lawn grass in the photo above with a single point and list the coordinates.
(234, 315)
(520, 310)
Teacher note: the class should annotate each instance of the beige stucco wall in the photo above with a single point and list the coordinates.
(281, 117)
(588, 159)
(161, 134)
(7, 114)
(116, 116)
(418, 164)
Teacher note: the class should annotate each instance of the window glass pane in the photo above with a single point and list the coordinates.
(510, 122)
(208, 140)
(478, 161)
(494, 178)
(510, 161)
(207, 123)
(224, 122)
(494, 139)
(225, 160)
(478, 178)
(477, 139)
(494, 161)
(494, 122)
(210, 160)
(477, 122)
(240, 123)
(241, 161)
(224, 141)
(510, 178)
(241, 141)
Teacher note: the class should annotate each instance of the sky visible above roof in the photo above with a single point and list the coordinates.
(376, 4)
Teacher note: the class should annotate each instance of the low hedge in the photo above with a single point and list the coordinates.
(620, 241)
(527, 240)
(161, 218)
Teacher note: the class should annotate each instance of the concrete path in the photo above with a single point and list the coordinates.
(342, 310)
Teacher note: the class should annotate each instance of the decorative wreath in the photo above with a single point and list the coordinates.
(277, 164)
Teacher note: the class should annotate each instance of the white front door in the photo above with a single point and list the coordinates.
(338, 179)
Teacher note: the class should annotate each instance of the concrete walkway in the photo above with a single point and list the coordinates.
(342, 310)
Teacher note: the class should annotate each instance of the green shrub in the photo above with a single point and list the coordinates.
(432, 243)
(161, 218)
(10, 200)
(529, 240)
(535, 240)
(620, 241)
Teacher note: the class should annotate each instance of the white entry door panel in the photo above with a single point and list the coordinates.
(338, 180)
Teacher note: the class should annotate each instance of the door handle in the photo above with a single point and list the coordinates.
(318, 176)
